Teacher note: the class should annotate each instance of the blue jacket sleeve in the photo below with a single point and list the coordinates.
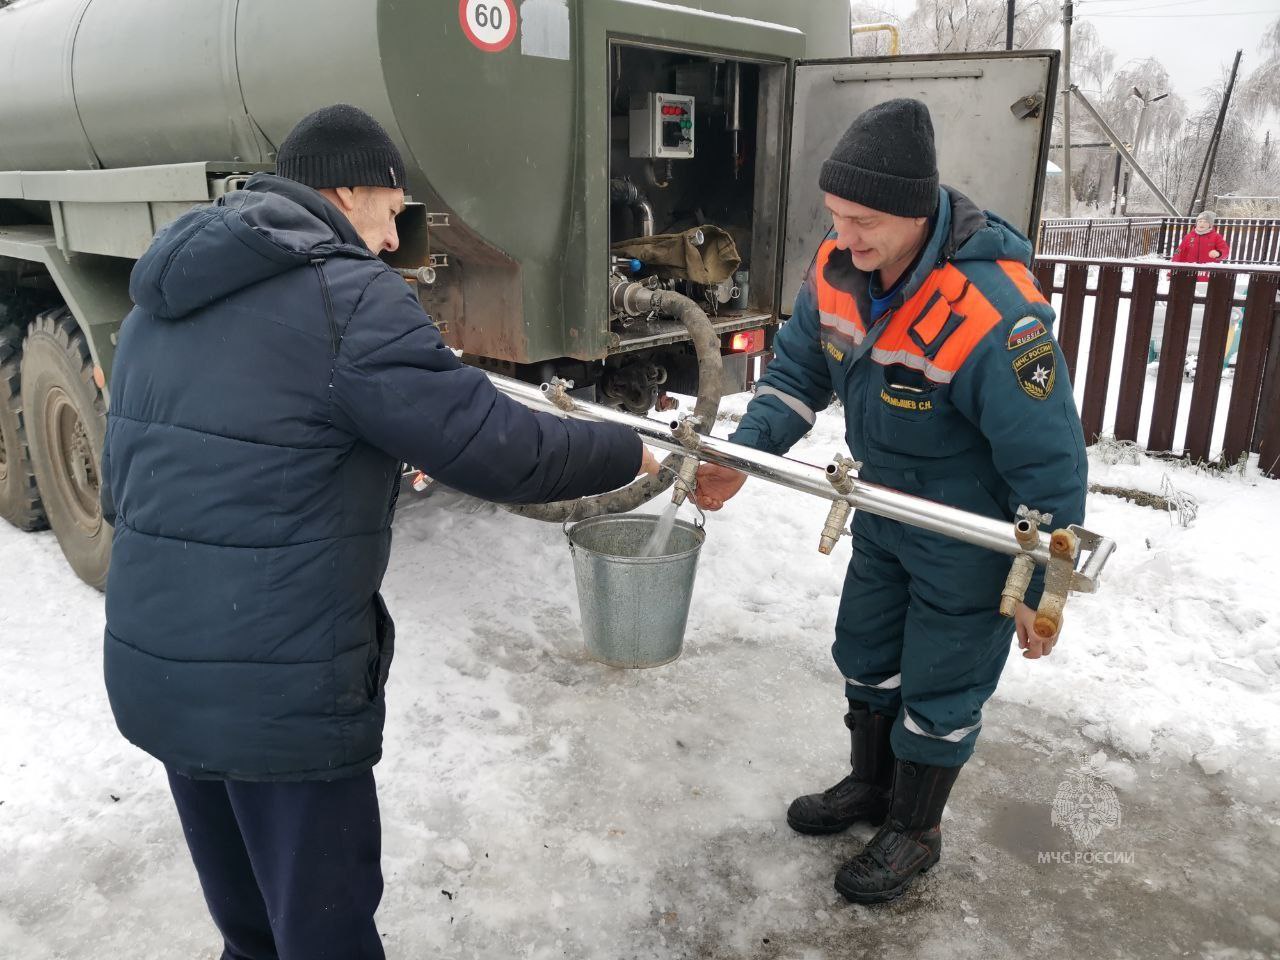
(1037, 443)
(399, 388)
(796, 386)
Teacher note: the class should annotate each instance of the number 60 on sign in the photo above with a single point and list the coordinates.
(490, 25)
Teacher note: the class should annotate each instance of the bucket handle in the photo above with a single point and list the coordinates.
(689, 498)
(701, 522)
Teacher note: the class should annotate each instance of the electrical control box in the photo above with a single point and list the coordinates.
(662, 127)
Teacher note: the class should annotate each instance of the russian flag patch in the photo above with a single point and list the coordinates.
(1024, 331)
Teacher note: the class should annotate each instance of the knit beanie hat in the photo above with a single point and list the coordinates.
(340, 146)
(886, 161)
(1208, 216)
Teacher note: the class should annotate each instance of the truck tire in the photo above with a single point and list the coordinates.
(66, 426)
(19, 495)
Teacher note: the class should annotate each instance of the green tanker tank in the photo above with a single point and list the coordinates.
(535, 137)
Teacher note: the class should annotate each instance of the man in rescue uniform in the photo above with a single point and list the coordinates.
(920, 314)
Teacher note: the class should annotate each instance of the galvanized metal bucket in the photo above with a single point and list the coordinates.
(634, 608)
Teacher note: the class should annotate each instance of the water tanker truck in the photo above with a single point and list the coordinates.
(547, 142)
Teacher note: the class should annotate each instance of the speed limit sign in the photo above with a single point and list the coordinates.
(489, 24)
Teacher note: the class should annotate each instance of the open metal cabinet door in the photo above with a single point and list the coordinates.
(992, 116)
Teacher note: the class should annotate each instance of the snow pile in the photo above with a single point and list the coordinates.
(537, 804)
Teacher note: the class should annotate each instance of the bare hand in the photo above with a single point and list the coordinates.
(716, 485)
(649, 466)
(1215, 254)
(1032, 645)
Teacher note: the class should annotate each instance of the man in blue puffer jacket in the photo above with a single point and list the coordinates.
(267, 386)
(920, 313)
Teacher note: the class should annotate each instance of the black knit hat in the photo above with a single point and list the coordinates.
(340, 146)
(886, 161)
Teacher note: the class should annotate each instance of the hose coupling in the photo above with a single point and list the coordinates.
(1016, 584)
(631, 298)
(1064, 547)
(837, 526)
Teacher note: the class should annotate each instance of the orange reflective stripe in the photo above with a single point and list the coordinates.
(896, 346)
(897, 334)
(837, 310)
(980, 317)
(931, 323)
(1022, 279)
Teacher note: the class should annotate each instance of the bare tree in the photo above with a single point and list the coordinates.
(1260, 91)
(1176, 134)
(960, 26)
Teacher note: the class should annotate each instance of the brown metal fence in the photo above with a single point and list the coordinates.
(1249, 240)
(1253, 410)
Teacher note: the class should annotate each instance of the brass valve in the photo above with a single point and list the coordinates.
(685, 430)
(557, 391)
(686, 480)
(1026, 530)
(838, 516)
(686, 433)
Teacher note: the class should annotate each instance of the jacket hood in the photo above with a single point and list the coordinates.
(271, 226)
(982, 235)
(963, 231)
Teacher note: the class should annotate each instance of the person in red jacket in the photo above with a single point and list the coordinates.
(1204, 244)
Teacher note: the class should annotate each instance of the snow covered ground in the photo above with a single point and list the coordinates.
(538, 805)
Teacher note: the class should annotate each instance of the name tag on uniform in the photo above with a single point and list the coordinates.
(905, 403)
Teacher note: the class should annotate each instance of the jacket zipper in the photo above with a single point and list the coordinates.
(318, 263)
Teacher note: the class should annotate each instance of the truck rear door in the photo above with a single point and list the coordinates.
(992, 116)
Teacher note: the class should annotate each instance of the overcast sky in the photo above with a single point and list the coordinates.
(1195, 39)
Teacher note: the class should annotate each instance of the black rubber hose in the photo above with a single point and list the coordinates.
(624, 191)
(707, 346)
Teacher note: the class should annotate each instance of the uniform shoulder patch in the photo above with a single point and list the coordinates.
(1027, 329)
(1037, 371)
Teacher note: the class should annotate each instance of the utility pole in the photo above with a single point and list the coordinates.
(1138, 136)
(1008, 26)
(1217, 131)
(1129, 158)
(1066, 106)
(1115, 183)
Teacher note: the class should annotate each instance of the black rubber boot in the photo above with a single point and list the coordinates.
(909, 843)
(864, 794)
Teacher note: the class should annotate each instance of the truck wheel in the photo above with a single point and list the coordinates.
(19, 495)
(66, 426)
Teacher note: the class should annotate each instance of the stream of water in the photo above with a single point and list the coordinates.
(661, 537)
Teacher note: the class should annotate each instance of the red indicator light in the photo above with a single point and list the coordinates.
(747, 341)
